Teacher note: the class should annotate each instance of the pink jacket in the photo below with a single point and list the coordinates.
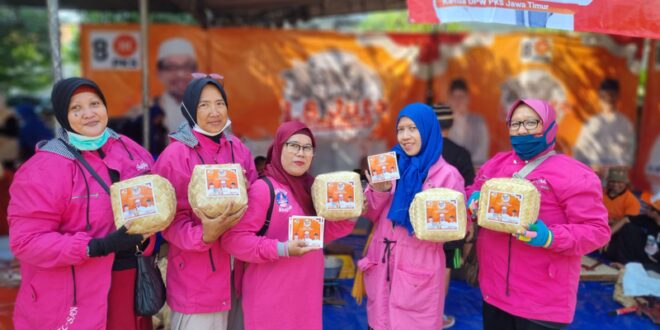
(542, 283)
(61, 286)
(278, 292)
(404, 276)
(198, 274)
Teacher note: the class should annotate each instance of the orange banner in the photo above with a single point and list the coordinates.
(647, 172)
(566, 70)
(349, 87)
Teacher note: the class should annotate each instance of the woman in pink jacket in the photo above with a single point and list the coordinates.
(77, 271)
(404, 276)
(532, 284)
(199, 269)
(283, 283)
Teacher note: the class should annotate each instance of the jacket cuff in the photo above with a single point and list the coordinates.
(78, 251)
(282, 249)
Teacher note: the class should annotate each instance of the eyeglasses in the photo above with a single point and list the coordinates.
(220, 78)
(527, 124)
(295, 148)
(170, 67)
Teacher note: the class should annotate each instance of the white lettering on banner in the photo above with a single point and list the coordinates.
(514, 4)
(496, 2)
(539, 6)
(114, 50)
(477, 2)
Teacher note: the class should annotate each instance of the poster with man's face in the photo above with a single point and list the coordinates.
(308, 229)
(138, 201)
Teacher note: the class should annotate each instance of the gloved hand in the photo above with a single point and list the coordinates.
(537, 234)
(473, 203)
(116, 241)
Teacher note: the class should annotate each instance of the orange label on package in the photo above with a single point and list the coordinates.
(138, 201)
(383, 167)
(441, 215)
(222, 182)
(308, 229)
(504, 207)
(341, 195)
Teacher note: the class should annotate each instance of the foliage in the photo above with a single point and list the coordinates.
(25, 62)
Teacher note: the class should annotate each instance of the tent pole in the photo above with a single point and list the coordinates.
(144, 57)
(54, 34)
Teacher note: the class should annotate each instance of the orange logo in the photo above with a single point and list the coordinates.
(125, 45)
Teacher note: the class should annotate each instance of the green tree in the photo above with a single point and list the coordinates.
(25, 62)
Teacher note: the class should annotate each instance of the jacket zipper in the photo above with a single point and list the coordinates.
(90, 196)
(508, 267)
(75, 291)
(211, 259)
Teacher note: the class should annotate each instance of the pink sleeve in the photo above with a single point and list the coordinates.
(184, 232)
(242, 241)
(587, 227)
(376, 202)
(35, 214)
(337, 229)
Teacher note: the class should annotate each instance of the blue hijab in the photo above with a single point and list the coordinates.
(415, 169)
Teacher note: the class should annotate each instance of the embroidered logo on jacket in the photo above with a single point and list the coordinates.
(282, 201)
(142, 166)
(541, 184)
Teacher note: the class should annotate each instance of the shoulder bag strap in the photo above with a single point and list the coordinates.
(264, 228)
(531, 166)
(89, 168)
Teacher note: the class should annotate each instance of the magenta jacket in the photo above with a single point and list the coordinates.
(198, 274)
(404, 277)
(279, 292)
(533, 282)
(56, 208)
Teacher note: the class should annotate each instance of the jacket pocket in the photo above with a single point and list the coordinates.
(50, 293)
(415, 290)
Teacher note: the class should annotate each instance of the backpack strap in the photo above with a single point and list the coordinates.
(89, 168)
(531, 166)
(264, 228)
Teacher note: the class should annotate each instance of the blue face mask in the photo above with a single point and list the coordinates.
(528, 146)
(86, 143)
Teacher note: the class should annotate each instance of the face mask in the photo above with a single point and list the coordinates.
(528, 146)
(200, 130)
(86, 143)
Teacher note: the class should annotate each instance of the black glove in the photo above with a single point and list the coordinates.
(116, 241)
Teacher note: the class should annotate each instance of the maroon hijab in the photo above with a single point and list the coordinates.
(300, 186)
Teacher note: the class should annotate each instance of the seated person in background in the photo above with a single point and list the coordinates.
(618, 199)
(639, 240)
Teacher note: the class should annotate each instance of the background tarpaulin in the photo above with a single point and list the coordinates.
(349, 87)
(640, 18)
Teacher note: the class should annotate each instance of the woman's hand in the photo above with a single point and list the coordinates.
(213, 228)
(378, 186)
(298, 248)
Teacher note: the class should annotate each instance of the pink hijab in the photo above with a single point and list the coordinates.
(545, 111)
(300, 186)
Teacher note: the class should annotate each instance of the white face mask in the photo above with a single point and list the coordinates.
(198, 129)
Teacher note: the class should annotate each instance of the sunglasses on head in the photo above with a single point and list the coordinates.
(220, 78)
